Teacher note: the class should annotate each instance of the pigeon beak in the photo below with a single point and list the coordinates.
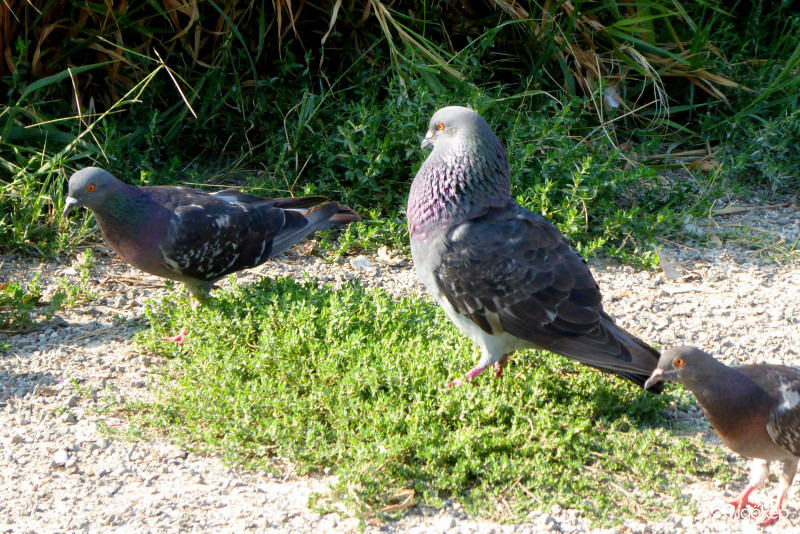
(69, 205)
(428, 141)
(655, 378)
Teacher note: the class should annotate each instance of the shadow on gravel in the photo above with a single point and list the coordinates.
(14, 384)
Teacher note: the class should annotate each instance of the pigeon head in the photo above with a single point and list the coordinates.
(685, 365)
(457, 125)
(465, 174)
(92, 188)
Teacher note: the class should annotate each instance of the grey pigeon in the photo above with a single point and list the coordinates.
(505, 275)
(196, 237)
(755, 409)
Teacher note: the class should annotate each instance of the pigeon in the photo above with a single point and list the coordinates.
(755, 409)
(196, 237)
(505, 275)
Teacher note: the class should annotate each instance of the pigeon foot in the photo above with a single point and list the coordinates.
(772, 515)
(180, 338)
(498, 367)
(469, 377)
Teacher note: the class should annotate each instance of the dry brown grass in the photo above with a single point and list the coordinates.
(194, 35)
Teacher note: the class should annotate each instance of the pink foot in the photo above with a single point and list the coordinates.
(498, 367)
(469, 377)
(772, 515)
(742, 501)
(477, 370)
(180, 338)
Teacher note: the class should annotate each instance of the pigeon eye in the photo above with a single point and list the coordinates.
(90, 188)
(440, 126)
(678, 362)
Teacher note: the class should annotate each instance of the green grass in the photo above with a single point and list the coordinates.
(353, 380)
(18, 301)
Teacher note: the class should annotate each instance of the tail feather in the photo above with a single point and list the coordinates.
(299, 224)
(345, 215)
(643, 357)
(614, 350)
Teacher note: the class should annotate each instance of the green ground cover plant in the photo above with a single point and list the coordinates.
(353, 380)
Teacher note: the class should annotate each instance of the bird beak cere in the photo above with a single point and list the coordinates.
(656, 377)
(428, 141)
(69, 205)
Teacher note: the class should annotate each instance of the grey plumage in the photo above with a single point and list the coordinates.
(196, 237)
(505, 275)
(755, 409)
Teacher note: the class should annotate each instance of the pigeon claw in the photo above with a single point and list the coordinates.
(498, 367)
(772, 516)
(469, 377)
(743, 500)
(180, 338)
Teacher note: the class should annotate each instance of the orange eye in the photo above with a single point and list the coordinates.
(90, 188)
(678, 362)
(440, 126)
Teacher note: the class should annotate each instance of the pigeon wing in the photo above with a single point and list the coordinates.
(784, 383)
(209, 237)
(514, 272)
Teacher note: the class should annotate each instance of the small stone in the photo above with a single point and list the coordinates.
(362, 263)
(59, 322)
(68, 417)
(445, 523)
(71, 402)
(60, 458)
(17, 439)
(548, 523)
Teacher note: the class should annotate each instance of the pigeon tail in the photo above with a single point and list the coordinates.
(301, 223)
(345, 215)
(613, 350)
(644, 358)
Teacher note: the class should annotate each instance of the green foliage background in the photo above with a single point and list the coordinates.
(333, 99)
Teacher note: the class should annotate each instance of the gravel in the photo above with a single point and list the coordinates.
(61, 472)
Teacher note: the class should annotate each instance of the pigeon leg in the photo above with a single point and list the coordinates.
(789, 470)
(469, 377)
(180, 338)
(759, 470)
(498, 367)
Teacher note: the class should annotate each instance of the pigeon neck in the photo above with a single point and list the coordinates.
(727, 395)
(125, 212)
(454, 186)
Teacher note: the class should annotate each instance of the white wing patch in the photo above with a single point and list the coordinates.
(223, 220)
(172, 264)
(791, 398)
(227, 198)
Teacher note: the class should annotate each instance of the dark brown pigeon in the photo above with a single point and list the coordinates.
(504, 275)
(196, 237)
(755, 409)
